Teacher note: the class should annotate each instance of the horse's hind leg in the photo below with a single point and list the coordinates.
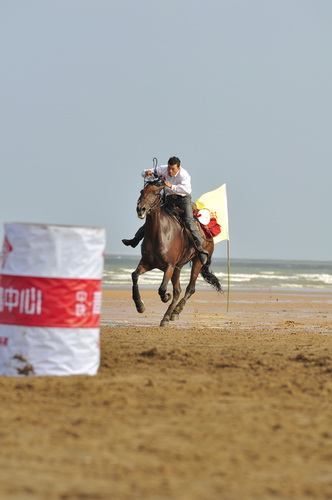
(135, 290)
(176, 294)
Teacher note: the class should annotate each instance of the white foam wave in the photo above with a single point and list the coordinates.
(259, 278)
(324, 278)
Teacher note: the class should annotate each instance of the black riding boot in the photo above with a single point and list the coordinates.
(136, 239)
(203, 255)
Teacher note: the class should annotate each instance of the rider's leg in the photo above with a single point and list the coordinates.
(189, 220)
(136, 239)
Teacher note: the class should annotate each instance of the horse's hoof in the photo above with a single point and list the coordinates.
(166, 297)
(140, 307)
(174, 317)
(164, 322)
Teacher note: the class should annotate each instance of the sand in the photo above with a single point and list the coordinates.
(220, 405)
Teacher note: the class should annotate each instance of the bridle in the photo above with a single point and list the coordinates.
(160, 200)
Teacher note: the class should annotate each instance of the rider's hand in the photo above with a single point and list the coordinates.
(168, 184)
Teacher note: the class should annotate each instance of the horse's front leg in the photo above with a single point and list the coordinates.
(165, 297)
(190, 290)
(141, 269)
(176, 294)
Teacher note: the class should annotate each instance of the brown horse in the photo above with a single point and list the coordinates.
(168, 246)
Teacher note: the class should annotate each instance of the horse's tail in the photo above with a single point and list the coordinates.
(210, 278)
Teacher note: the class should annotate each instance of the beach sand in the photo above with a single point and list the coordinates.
(219, 405)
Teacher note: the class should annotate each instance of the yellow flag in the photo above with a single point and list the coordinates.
(216, 202)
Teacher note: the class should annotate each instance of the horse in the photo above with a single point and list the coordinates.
(168, 246)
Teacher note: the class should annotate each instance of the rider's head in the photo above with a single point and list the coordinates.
(173, 166)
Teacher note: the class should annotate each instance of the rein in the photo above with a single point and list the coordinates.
(160, 203)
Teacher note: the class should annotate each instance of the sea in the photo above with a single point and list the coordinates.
(239, 273)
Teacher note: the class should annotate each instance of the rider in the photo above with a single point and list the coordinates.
(178, 192)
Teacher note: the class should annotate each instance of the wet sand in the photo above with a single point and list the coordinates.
(219, 405)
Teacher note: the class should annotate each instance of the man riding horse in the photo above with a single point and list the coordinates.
(178, 193)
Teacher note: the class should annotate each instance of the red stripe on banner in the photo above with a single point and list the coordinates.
(50, 302)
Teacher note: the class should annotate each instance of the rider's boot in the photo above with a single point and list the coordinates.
(203, 254)
(136, 239)
(131, 243)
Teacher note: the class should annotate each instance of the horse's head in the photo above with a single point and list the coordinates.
(149, 199)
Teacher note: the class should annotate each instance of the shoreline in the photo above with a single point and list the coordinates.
(324, 290)
(208, 308)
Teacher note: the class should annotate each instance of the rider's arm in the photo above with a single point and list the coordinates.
(181, 185)
(148, 174)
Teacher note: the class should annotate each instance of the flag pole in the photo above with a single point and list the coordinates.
(229, 268)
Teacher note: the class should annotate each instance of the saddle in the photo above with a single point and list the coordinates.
(176, 211)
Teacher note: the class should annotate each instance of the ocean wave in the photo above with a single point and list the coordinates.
(324, 278)
(281, 274)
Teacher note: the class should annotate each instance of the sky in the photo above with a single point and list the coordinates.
(239, 90)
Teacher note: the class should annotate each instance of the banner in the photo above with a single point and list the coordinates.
(49, 302)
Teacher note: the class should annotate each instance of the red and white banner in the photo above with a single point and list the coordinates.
(49, 302)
